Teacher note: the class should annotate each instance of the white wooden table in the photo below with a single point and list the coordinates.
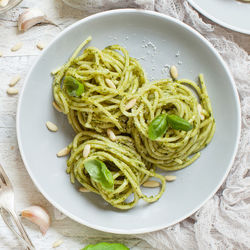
(74, 235)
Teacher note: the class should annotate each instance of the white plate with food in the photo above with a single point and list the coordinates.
(232, 14)
(132, 122)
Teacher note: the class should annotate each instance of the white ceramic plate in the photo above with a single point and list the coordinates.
(231, 14)
(157, 40)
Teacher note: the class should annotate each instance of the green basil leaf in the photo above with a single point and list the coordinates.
(73, 86)
(109, 184)
(158, 127)
(106, 246)
(178, 123)
(99, 172)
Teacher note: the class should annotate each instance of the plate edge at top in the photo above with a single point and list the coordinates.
(216, 20)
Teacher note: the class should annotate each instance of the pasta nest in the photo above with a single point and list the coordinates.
(176, 149)
(101, 106)
(127, 168)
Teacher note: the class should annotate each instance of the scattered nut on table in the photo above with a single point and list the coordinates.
(17, 46)
(14, 80)
(12, 91)
(57, 243)
(40, 46)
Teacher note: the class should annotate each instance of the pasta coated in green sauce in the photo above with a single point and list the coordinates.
(176, 149)
(99, 106)
(125, 164)
(107, 90)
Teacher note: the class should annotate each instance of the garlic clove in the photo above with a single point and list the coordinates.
(31, 17)
(38, 216)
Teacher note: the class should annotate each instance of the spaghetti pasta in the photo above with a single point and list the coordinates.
(99, 107)
(173, 150)
(125, 164)
(127, 126)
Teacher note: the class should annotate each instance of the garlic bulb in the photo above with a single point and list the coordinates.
(31, 17)
(39, 216)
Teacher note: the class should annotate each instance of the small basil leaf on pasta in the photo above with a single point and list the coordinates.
(178, 123)
(99, 172)
(73, 86)
(106, 246)
(158, 127)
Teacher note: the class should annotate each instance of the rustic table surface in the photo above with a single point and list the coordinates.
(74, 235)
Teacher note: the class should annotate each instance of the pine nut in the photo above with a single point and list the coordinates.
(40, 46)
(57, 243)
(199, 107)
(173, 72)
(14, 81)
(16, 47)
(12, 91)
(151, 184)
(179, 161)
(111, 134)
(190, 120)
(170, 178)
(63, 152)
(110, 83)
(51, 126)
(131, 104)
(86, 151)
(56, 107)
(83, 190)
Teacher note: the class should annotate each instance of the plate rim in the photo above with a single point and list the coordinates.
(216, 20)
(150, 228)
